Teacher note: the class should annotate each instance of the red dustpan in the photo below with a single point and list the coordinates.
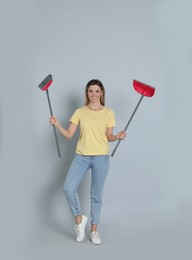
(44, 85)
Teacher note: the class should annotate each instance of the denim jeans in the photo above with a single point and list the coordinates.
(99, 165)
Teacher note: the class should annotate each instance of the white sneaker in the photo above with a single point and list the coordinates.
(80, 229)
(95, 238)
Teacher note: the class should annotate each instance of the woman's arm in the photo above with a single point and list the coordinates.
(67, 133)
(111, 137)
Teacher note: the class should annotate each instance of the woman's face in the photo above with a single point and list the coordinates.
(94, 93)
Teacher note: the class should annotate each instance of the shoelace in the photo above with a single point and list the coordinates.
(76, 229)
(95, 235)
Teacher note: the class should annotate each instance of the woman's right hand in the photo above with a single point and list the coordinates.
(54, 121)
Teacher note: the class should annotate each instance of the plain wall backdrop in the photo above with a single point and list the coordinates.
(147, 203)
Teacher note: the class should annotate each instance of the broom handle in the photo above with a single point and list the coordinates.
(125, 129)
(49, 102)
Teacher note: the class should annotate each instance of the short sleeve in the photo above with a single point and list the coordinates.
(75, 118)
(111, 120)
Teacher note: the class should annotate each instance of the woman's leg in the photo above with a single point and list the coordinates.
(100, 169)
(79, 167)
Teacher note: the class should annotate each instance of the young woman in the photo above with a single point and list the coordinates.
(96, 124)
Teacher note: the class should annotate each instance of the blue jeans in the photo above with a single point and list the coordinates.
(99, 165)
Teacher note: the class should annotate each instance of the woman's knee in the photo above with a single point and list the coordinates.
(68, 190)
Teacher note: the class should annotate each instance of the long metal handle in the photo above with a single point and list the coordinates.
(125, 129)
(54, 129)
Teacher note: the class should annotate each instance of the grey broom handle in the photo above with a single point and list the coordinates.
(125, 129)
(58, 150)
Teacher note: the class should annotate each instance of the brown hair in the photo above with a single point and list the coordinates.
(98, 83)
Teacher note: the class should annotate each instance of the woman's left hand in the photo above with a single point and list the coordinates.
(121, 135)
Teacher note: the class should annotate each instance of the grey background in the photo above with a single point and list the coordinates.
(147, 207)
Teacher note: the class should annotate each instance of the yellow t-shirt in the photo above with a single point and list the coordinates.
(93, 126)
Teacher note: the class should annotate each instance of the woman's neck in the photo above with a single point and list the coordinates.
(95, 106)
